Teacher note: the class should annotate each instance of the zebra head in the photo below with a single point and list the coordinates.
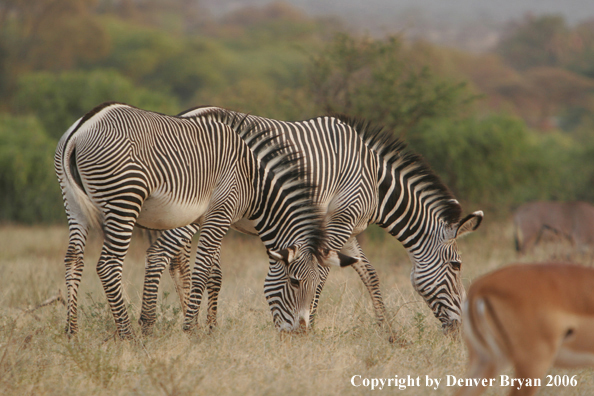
(291, 284)
(436, 273)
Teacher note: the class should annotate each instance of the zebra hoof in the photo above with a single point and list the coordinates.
(124, 335)
(190, 328)
(70, 331)
(147, 331)
(211, 329)
(146, 327)
(452, 329)
(398, 340)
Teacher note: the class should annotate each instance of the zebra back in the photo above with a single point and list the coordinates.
(395, 153)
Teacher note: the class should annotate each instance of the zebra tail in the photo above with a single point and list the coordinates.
(77, 201)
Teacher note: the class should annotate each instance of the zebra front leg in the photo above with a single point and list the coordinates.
(209, 246)
(338, 230)
(324, 271)
(180, 272)
(74, 262)
(157, 260)
(339, 241)
(369, 278)
(170, 246)
(179, 267)
(213, 286)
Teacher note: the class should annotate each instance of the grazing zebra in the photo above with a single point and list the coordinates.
(364, 176)
(119, 166)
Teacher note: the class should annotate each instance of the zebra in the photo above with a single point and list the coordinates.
(119, 166)
(363, 175)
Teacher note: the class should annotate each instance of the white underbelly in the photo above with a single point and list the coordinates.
(160, 211)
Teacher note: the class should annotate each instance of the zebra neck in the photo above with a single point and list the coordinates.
(286, 214)
(265, 219)
(408, 207)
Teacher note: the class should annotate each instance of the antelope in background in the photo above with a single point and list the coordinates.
(573, 221)
(532, 316)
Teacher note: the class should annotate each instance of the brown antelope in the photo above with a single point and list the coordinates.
(532, 317)
(571, 220)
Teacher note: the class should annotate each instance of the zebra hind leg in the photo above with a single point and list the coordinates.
(74, 267)
(109, 268)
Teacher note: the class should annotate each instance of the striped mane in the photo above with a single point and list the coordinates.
(283, 165)
(396, 154)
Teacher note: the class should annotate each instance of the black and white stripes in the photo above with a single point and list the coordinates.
(306, 188)
(418, 210)
(119, 166)
(362, 176)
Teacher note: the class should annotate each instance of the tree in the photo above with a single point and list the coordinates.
(554, 89)
(381, 81)
(583, 60)
(60, 99)
(29, 191)
(47, 35)
(497, 162)
(540, 41)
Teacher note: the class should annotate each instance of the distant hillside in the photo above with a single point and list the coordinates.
(468, 24)
(452, 10)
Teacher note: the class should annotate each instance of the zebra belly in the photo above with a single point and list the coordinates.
(161, 211)
(245, 226)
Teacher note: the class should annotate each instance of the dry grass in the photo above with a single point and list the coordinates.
(245, 355)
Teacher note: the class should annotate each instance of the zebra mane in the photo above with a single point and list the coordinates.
(282, 164)
(395, 153)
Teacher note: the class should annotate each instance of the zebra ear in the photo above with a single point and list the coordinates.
(333, 258)
(285, 255)
(469, 223)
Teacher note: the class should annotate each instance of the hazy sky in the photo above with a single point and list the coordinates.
(450, 10)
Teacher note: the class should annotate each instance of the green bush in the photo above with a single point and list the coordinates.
(498, 163)
(383, 81)
(569, 167)
(29, 190)
(60, 99)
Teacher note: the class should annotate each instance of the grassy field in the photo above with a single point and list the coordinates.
(245, 355)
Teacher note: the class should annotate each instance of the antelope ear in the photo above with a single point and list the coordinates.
(285, 255)
(337, 259)
(469, 223)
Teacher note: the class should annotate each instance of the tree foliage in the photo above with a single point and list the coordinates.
(489, 124)
(382, 81)
(29, 191)
(540, 41)
(548, 41)
(47, 35)
(59, 100)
